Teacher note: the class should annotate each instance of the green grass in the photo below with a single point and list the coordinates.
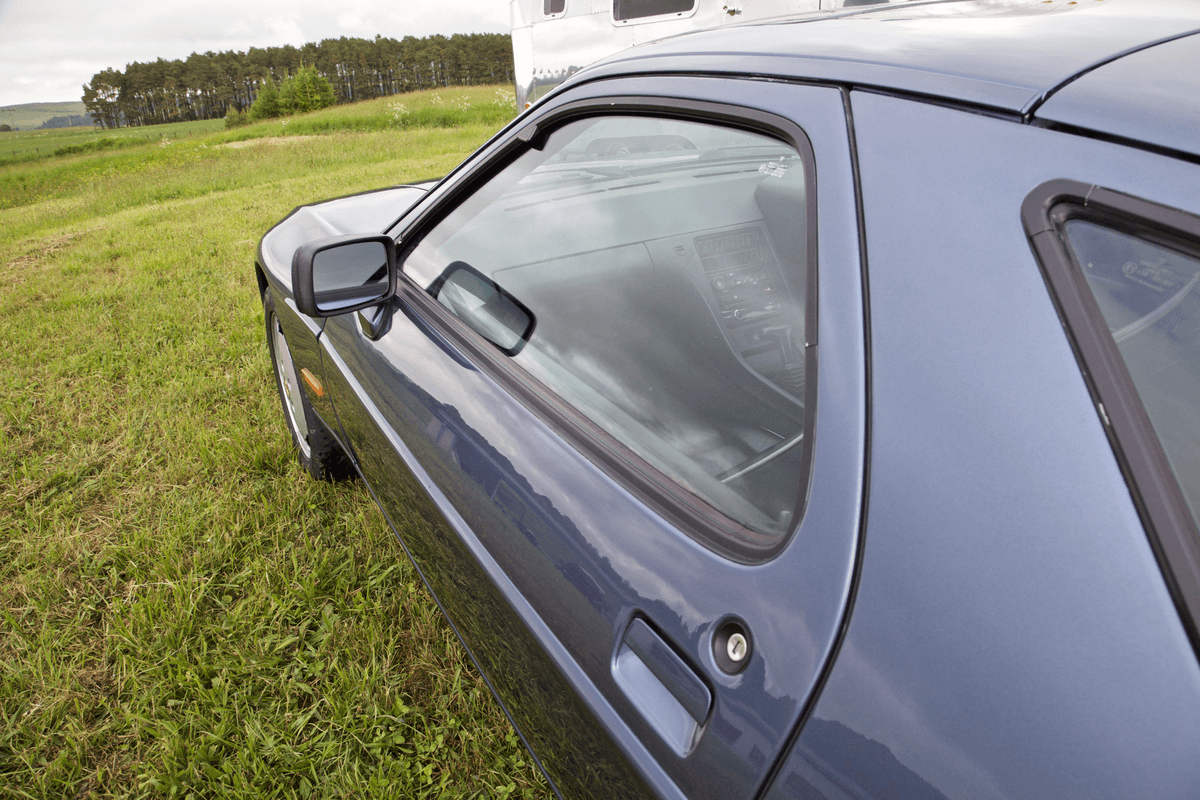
(184, 612)
(448, 121)
(24, 146)
(442, 108)
(438, 108)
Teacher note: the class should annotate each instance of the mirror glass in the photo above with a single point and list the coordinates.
(349, 275)
(488, 311)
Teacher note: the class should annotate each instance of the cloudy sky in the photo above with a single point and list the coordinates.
(50, 48)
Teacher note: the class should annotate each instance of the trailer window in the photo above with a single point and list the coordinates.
(637, 9)
(552, 8)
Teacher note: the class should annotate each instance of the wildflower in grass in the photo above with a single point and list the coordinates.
(399, 114)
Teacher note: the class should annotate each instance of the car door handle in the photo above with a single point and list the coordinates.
(668, 693)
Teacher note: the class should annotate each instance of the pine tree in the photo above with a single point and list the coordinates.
(307, 91)
(268, 103)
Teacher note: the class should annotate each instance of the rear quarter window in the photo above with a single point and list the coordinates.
(1125, 274)
(1147, 295)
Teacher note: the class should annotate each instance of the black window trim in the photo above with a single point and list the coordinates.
(1160, 503)
(686, 510)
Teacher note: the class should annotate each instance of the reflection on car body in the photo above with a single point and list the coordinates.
(799, 410)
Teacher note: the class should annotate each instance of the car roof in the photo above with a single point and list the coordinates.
(1152, 96)
(995, 54)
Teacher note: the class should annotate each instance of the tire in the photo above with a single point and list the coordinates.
(316, 448)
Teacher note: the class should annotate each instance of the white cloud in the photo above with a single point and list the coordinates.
(356, 22)
(287, 32)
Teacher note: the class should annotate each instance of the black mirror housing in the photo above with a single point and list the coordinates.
(341, 274)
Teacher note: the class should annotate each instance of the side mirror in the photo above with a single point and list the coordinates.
(486, 308)
(343, 273)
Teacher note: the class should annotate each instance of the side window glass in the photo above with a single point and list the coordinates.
(551, 8)
(655, 272)
(1148, 296)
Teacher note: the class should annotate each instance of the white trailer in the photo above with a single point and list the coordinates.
(554, 38)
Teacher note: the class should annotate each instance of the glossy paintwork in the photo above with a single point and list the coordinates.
(1012, 636)
(412, 440)
(301, 333)
(1000, 56)
(369, 212)
(1150, 96)
(529, 533)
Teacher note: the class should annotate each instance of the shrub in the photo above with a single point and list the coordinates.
(236, 118)
(266, 105)
(105, 143)
(306, 91)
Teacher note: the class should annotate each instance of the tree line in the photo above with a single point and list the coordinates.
(209, 85)
(67, 121)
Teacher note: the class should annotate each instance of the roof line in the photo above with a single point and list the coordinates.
(1033, 105)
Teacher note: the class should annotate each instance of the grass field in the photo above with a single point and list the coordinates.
(30, 145)
(184, 612)
(436, 109)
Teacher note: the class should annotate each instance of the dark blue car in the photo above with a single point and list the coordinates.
(799, 410)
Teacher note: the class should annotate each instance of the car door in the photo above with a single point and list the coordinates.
(591, 416)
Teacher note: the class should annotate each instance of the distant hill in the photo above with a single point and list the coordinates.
(28, 116)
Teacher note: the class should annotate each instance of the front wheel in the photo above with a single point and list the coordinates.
(316, 449)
